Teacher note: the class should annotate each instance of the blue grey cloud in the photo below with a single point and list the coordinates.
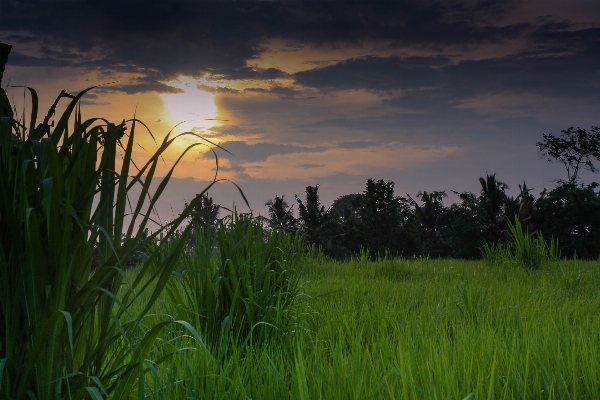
(244, 152)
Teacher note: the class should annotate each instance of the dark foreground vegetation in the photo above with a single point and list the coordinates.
(230, 309)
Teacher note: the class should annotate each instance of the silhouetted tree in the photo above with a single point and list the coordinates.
(490, 207)
(575, 149)
(570, 214)
(281, 215)
(492, 201)
(431, 221)
(345, 212)
(381, 219)
(205, 214)
(463, 235)
(347, 201)
(316, 222)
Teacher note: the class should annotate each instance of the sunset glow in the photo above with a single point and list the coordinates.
(193, 108)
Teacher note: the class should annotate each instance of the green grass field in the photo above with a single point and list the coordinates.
(432, 329)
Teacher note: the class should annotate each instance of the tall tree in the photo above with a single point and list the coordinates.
(431, 220)
(205, 213)
(315, 220)
(380, 217)
(492, 200)
(351, 202)
(575, 149)
(489, 208)
(345, 210)
(281, 215)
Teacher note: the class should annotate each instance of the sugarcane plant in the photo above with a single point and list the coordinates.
(66, 330)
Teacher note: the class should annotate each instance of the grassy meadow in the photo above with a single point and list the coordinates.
(420, 328)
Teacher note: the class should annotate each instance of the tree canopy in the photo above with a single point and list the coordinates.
(575, 149)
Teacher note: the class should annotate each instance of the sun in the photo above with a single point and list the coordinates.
(193, 108)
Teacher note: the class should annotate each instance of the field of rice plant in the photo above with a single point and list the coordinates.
(419, 328)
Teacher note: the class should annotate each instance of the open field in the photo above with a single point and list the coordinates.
(408, 329)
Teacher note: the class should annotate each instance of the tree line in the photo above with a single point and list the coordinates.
(385, 223)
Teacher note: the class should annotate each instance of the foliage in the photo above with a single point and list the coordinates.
(575, 149)
(281, 215)
(204, 217)
(530, 251)
(317, 223)
(64, 331)
(378, 221)
(571, 214)
(381, 218)
(245, 290)
(464, 234)
(350, 202)
(491, 205)
(431, 221)
(205, 213)
(526, 204)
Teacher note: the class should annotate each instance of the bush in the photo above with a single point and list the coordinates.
(524, 249)
(239, 284)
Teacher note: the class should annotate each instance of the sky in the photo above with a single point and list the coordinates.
(430, 95)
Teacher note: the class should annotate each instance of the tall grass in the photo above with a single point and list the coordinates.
(530, 251)
(65, 331)
(239, 282)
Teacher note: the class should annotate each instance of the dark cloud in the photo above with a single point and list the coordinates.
(248, 73)
(218, 38)
(165, 39)
(375, 74)
(20, 39)
(216, 89)
(355, 123)
(243, 152)
(141, 88)
(281, 91)
(256, 90)
(426, 78)
(18, 59)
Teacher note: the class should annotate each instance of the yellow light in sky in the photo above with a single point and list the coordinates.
(196, 107)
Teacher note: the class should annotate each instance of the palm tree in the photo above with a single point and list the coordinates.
(489, 208)
(493, 199)
(281, 215)
(430, 216)
(316, 221)
(205, 213)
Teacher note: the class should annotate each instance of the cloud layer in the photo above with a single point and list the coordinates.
(327, 90)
